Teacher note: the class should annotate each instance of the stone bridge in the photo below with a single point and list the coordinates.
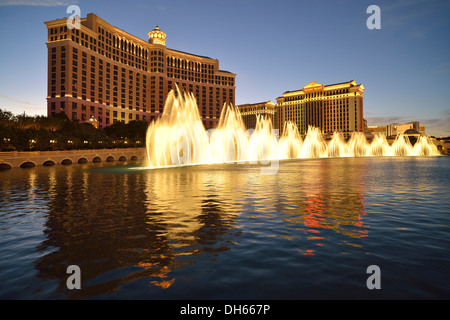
(29, 159)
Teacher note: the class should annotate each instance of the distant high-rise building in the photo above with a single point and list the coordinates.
(393, 129)
(250, 112)
(377, 129)
(331, 108)
(100, 72)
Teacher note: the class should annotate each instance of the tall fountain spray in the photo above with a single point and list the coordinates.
(178, 138)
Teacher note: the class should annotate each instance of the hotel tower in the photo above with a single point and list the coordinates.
(331, 108)
(250, 112)
(100, 73)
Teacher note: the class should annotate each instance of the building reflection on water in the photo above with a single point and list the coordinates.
(331, 200)
(120, 225)
(130, 225)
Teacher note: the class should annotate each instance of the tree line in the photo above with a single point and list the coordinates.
(57, 132)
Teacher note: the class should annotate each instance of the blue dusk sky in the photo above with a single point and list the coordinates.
(272, 46)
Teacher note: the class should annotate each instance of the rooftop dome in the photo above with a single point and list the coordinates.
(156, 36)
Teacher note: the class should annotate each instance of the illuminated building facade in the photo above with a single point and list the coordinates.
(250, 112)
(393, 129)
(375, 129)
(101, 72)
(331, 108)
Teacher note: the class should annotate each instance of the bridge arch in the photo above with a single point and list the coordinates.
(48, 163)
(28, 164)
(110, 158)
(134, 158)
(122, 158)
(82, 160)
(5, 166)
(97, 159)
(67, 161)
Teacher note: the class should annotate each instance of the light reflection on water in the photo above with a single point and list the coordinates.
(226, 231)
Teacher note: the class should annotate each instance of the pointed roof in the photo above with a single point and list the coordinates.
(313, 84)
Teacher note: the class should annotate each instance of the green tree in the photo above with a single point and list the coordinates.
(137, 129)
(118, 130)
(6, 118)
(24, 121)
(58, 132)
(7, 136)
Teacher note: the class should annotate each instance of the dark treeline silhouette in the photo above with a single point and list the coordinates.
(57, 132)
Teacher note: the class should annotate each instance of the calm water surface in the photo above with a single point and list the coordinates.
(227, 232)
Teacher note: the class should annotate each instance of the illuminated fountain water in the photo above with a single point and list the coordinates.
(179, 138)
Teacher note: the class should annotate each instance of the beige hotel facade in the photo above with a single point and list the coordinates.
(331, 108)
(251, 111)
(102, 73)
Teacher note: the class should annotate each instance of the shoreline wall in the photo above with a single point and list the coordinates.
(27, 159)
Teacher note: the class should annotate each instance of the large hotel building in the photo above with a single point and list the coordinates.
(251, 111)
(102, 73)
(331, 108)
